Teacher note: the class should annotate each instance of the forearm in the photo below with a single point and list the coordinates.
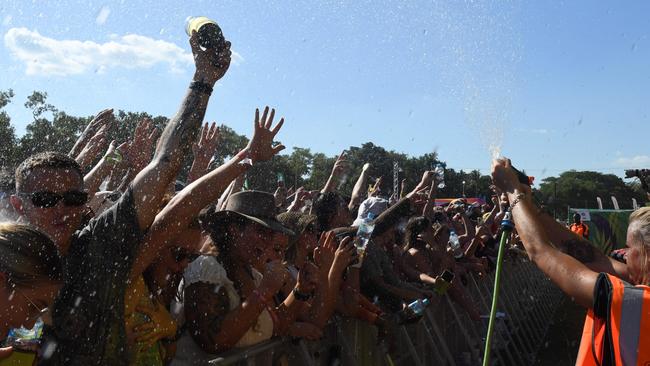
(358, 190)
(96, 176)
(399, 292)
(581, 249)
(470, 229)
(183, 209)
(569, 274)
(79, 144)
(236, 323)
(175, 142)
(287, 312)
(324, 306)
(330, 186)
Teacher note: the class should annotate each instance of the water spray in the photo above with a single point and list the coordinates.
(507, 225)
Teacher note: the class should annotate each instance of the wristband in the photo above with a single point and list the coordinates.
(201, 87)
(300, 296)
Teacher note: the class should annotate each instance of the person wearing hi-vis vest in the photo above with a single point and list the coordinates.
(579, 227)
(616, 294)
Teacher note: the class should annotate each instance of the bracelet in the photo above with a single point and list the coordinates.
(518, 198)
(300, 296)
(201, 87)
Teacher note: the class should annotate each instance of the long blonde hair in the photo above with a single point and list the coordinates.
(640, 224)
(27, 255)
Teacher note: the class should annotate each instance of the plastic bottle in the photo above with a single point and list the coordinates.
(454, 243)
(210, 35)
(364, 232)
(418, 306)
(413, 311)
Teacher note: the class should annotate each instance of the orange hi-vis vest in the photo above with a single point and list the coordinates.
(581, 229)
(617, 328)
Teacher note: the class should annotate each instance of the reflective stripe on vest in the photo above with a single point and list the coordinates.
(629, 324)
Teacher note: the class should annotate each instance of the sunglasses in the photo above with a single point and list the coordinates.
(48, 199)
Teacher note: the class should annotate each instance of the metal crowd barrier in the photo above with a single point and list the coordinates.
(444, 336)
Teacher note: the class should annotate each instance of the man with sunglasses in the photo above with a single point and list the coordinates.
(50, 196)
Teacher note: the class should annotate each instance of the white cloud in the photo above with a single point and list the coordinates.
(634, 162)
(103, 14)
(47, 56)
(541, 131)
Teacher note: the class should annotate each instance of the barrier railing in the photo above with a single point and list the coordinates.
(444, 336)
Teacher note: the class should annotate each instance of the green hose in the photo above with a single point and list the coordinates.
(507, 229)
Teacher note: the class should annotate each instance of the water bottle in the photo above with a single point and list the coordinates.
(413, 311)
(417, 307)
(210, 35)
(454, 243)
(440, 176)
(364, 232)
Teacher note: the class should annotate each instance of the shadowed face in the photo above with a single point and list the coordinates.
(23, 305)
(638, 263)
(60, 220)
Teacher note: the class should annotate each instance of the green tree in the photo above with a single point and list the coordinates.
(299, 163)
(580, 189)
(7, 132)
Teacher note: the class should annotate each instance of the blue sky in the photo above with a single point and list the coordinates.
(555, 85)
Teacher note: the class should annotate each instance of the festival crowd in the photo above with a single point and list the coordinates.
(119, 263)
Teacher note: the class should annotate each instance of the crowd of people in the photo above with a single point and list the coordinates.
(119, 263)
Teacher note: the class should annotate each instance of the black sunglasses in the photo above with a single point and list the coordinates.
(48, 199)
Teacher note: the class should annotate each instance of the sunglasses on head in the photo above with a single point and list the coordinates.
(48, 199)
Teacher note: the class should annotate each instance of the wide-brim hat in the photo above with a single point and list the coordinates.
(255, 206)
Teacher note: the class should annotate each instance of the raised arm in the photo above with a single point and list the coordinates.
(359, 187)
(101, 170)
(175, 143)
(338, 172)
(102, 119)
(573, 277)
(582, 250)
(187, 204)
(203, 151)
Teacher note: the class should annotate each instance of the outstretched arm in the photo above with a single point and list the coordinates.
(573, 277)
(151, 183)
(359, 186)
(338, 172)
(581, 249)
(187, 204)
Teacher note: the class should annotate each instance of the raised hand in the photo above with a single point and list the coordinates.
(340, 166)
(325, 252)
(503, 177)
(139, 151)
(260, 147)
(375, 188)
(94, 146)
(344, 255)
(203, 150)
(103, 119)
(205, 147)
(210, 64)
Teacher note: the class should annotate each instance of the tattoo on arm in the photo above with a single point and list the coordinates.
(579, 249)
(182, 129)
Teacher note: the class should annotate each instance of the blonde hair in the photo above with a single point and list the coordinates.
(640, 224)
(27, 255)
